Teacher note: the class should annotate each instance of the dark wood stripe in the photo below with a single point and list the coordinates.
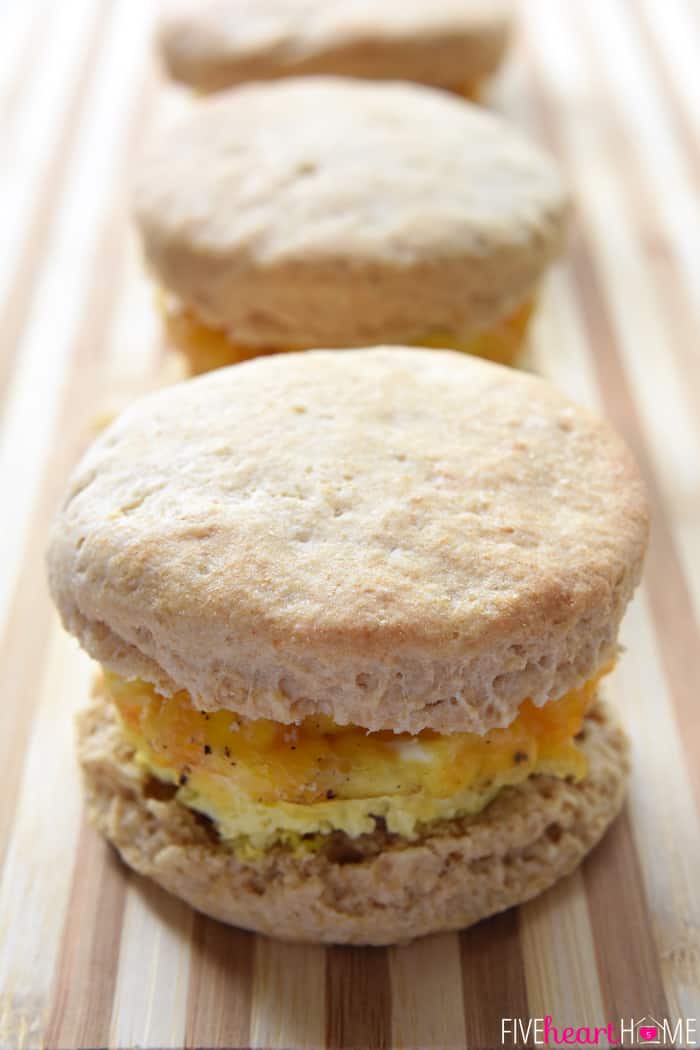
(358, 999)
(672, 610)
(493, 978)
(220, 987)
(626, 956)
(16, 307)
(86, 973)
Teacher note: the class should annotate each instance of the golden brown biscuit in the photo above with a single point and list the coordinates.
(394, 538)
(453, 44)
(352, 608)
(329, 212)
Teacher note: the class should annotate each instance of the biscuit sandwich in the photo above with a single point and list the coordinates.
(352, 609)
(327, 212)
(451, 44)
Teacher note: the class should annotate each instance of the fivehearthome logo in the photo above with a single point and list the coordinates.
(626, 1032)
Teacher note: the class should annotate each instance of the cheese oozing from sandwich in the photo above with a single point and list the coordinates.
(263, 782)
(206, 348)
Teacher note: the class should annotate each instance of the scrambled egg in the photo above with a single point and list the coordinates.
(264, 782)
(207, 348)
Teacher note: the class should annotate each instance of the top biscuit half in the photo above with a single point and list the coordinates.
(453, 44)
(394, 538)
(323, 212)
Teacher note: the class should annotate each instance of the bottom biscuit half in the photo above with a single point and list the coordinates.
(375, 889)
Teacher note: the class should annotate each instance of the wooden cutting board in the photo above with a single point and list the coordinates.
(92, 956)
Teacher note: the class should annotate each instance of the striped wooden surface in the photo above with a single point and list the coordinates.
(90, 955)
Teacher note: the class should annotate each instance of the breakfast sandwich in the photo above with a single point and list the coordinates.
(326, 212)
(352, 610)
(451, 44)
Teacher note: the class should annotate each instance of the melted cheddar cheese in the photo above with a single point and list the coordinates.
(263, 781)
(206, 348)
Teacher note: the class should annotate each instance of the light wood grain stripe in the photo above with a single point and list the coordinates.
(150, 996)
(659, 271)
(35, 137)
(670, 597)
(622, 408)
(561, 351)
(358, 999)
(671, 603)
(21, 651)
(24, 640)
(36, 878)
(680, 123)
(658, 263)
(667, 839)
(221, 986)
(557, 945)
(22, 643)
(552, 950)
(85, 980)
(23, 38)
(426, 994)
(658, 767)
(289, 996)
(37, 376)
(30, 250)
(493, 978)
(28, 423)
(82, 1003)
(661, 164)
(80, 349)
(626, 958)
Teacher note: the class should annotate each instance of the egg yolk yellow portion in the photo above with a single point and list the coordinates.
(206, 348)
(263, 781)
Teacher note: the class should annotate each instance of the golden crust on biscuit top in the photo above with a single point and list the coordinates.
(398, 538)
(206, 348)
